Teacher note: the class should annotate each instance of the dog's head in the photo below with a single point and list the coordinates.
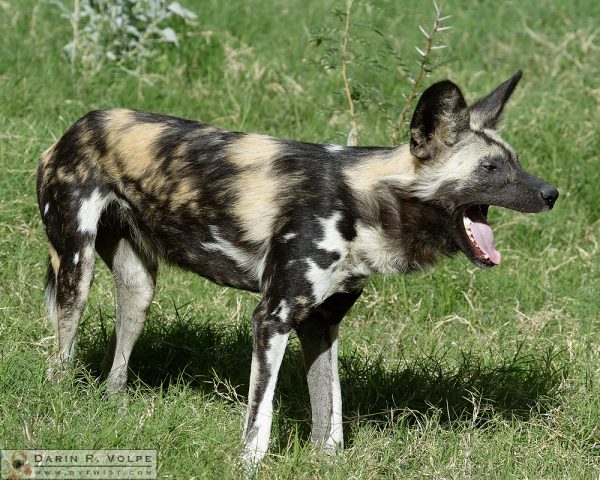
(464, 166)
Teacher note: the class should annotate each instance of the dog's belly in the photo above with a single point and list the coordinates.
(215, 251)
(219, 260)
(217, 267)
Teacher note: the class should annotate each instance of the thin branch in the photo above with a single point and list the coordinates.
(353, 135)
(75, 27)
(424, 54)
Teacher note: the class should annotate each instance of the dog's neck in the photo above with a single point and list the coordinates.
(397, 231)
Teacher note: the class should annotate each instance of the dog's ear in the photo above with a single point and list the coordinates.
(486, 112)
(440, 116)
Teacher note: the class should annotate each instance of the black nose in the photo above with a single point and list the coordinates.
(549, 194)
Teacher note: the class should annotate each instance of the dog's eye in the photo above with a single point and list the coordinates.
(489, 166)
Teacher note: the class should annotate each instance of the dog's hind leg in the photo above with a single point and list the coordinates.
(70, 277)
(319, 339)
(135, 278)
(71, 224)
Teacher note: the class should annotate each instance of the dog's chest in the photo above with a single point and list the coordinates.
(350, 261)
(343, 275)
(375, 252)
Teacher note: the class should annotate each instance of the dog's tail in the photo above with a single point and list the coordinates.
(51, 275)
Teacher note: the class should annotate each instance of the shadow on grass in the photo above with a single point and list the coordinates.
(212, 358)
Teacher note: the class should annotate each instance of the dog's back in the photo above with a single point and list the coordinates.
(205, 199)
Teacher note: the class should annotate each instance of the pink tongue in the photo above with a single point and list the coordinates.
(485, 240)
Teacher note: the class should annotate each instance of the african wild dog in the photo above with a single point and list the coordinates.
(303, 224)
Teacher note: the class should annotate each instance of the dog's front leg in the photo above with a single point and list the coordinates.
(320, 349)
(319, 339)
(270, 336)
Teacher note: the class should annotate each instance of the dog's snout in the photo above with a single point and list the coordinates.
(549, 194)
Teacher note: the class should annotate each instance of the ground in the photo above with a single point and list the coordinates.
(453, 373)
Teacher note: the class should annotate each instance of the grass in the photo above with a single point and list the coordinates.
(453, 373)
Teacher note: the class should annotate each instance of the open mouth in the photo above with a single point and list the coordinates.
(480, 235)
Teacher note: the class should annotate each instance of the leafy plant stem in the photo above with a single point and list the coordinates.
(424, 54)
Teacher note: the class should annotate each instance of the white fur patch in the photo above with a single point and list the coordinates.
(260, 269)
(46, 208)
(325, 281)
(76, 258)
(336, 432)
(359, 258)
(494, 135)
(282, 311)
(377, 252)
(88, 252)
(51, 305)
(332, 240)
(476, 121)
(257, 446)
(90, 210)
(332, 148)
(288, 236)
(253, 263)
(124, 204)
